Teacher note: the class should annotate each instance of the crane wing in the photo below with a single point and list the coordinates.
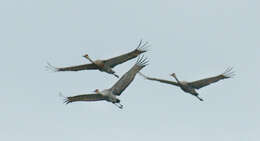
(205, 82)
(159, 80)
(129, 76)
(112, 62)
(74, 68)
(84, 97)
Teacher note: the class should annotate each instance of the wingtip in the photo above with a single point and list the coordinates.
(143, 47)
(65, 99)
(229, 73)
(51, 67)
(142, 61)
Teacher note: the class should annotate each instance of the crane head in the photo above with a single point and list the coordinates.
(86, 55)
(96, 91)
(173, 74)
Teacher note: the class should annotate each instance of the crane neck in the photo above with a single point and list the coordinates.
(176, 79)
(90, 60)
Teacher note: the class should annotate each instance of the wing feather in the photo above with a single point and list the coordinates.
(207, 81)
(159, 80)
(73, 68)
(84, 97)
(112, 62)
(129, 76)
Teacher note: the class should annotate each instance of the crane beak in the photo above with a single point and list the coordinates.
(86, 56)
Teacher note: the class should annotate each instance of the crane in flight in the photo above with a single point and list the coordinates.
(105, 65)
(190, 87)
(110, 95)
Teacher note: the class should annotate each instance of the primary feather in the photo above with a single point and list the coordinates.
(207, 81)
(84, 97)
(129, 76)
(159, 80)
(112, 62)
(105, 65)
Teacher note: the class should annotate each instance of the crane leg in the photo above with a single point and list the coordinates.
(115, 75)
(118, 105)
(199, 98)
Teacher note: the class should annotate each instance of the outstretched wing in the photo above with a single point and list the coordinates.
(205, 82)
(129, 76)
(85, 97)
(159, 80)
(74, 68)
(112, 62)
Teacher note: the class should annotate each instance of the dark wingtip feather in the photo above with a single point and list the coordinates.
(142, 61)
(228, 73)
(142, 47)
(66, 100)
(51, 67)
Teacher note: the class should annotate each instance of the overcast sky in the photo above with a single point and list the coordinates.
(193, 38)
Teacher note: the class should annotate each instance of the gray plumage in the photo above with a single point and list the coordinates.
(106, 65)
(128, 77)
(190, 87)
(111, 94)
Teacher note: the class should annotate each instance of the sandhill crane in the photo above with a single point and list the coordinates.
(105, 65)
(111, 94)
(190, 87)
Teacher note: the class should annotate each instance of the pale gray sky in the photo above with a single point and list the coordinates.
(194, 39)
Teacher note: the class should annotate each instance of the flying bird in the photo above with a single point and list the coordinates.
(105, 65)
(190, 87)
(110, 95)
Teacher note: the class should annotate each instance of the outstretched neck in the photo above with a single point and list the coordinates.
(177, 79)
(89, 59)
